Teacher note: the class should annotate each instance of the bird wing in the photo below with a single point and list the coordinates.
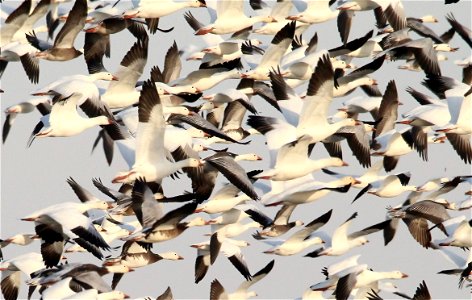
(151, 127)
(301, 234)
(74, 24)
(131, 68)
(319, 95)
(148, 211)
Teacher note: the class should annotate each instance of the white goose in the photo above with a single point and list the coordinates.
(65, 225)
(315, 12)
(300, 240)
(64, 119)
(224, 200)
(149, 9)
(307, 191)
(313, 118)
(231, 249)
(389, 187)
(229, 17)
(151, 160)
(459, 232)
(11, 272)
(123, 93)
(341, 242)
(292, 162)
(273, 54)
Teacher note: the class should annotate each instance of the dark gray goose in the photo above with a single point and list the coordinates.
(416, 216)
(14, 22)
(84, 276)
(133, 255)
(63, 48)
(156, 226)
(204, 177)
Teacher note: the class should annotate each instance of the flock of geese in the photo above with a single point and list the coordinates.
(262, 87)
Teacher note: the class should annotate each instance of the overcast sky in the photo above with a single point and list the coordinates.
(33, 178)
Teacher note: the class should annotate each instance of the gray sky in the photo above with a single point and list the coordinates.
(35, 178)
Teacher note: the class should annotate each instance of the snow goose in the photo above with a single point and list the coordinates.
(292, 162)
(133, 255)
(217, 291)
(35, 14)
(94, 294)
(393, 10)
(390, 186)
(422, 50)
(122, 93)
(279, 12)
(64, 119)
(74, 83)
(233, 215)
(273, 54)
(14, 22)
(458, 129)
(302, 68)
(233, 229)
(357, 139)
(63, 48)
(87, 276)
(229, 18)
(157, 227)
(464, 265)
(341, 242)
(56, 227)
(224, 200)
(78, 207)
(357, 78)
(232, 250)
(307, 190)
(361, 47)
(315, 12)
(357, 105)
(430, 113)
(203, 260)
(151, 161)
(416, 216)
(21, 239)
(459, 231)
(432, 184)
(301, 239)
(27, 263)
(204, 178)
(362, 278)
(43, 105)
(227, 53)
(277, 226)
(393, 144)
(152, 12)
(418, 26)
(24, 53)
(202, 80)
(109, 232)
(372, 174)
